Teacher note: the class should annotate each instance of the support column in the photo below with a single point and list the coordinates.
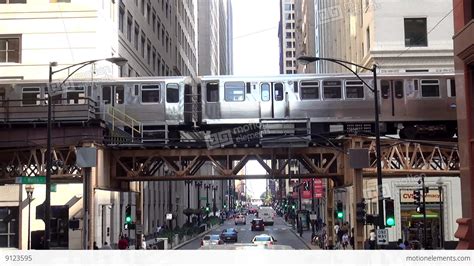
(330, 213)
(357, 197)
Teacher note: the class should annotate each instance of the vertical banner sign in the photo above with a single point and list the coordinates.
(318, 188)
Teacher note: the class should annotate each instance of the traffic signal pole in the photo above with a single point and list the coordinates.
(424, 210)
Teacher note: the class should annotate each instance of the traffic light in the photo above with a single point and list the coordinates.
(339, 210)
(128, 214)
(417, 198)
(389, 213)
(225, 206)
(361, 211)
(207, 208)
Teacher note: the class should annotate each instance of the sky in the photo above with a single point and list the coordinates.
(255, 29)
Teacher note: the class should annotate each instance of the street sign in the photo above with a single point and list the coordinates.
(139, 229)
(312, 217)
(30, 180)
(169, 216)
(382, 236)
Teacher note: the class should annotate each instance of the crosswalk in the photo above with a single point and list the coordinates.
(266, 229)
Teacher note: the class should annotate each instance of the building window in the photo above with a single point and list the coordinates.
(129, 27)
(150, 93)
(367, 38)
(415, 32)
(10, 49)
(8, 227)
(121, 18)
(153, 21)
(142, 6)
(142, 45)
(137, 33)
(154, 59)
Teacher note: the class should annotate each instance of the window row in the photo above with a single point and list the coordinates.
(77, 95)
(328, 90)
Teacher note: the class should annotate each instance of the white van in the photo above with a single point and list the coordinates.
(267, 214)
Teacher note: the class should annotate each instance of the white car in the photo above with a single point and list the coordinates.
(240, 219)
(263, 239)
(209, 240)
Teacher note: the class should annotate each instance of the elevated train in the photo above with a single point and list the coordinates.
(413, 105)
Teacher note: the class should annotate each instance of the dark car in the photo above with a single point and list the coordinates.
(257, 225)
(229, 234)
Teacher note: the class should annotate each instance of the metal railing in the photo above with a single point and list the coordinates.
(119, 118)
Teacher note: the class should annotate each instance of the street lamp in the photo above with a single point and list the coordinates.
(120, 61)
(198, 184)
(441, 225)
(207, 187)
(189, 182)
(309, 59)
(29, 193)
(214, 188)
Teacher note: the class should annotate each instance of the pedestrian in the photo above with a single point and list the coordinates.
(300, 227)
(95, 245)
(407, 244)
(372, 239)
(400, 244)
(106, 246)
(123, 243)
(352, 239)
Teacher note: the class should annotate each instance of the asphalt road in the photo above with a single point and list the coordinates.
(280, 231)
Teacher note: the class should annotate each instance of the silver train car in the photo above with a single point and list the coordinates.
(415, 105)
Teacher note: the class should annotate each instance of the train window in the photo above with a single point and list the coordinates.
(265, 91)
(332, 89)
(354, 89)
(309, 90)
(106, 94)
(212, 91)
(31, 96)
(278, 91)
(398, 89)
(234, 91)
(385, 88)
(150, 93)
(429, 88)
(249, 88)
(172, 93)
(295, 87)
(451, 84)
(75, 95)
(137, 87)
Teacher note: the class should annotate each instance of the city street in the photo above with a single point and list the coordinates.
(280, 231)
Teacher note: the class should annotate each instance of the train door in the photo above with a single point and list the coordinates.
(392, 98)
(113, 95)
(278, 101)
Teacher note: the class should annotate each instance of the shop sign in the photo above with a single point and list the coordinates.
(406, 196)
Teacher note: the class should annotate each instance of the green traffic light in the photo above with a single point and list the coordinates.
(128, 219)
(390, 221)
(340, 215)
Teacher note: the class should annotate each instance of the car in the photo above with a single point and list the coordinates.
(263, 239)
(267, 214)
(240, 219)
(257, 225)
(209, 240)
(229, 235)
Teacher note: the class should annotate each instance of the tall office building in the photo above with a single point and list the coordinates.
(286, 35)
(215, 37)
(413, 39)
(305, 33)
(157, 37)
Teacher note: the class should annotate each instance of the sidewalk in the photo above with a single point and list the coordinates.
(306, 239)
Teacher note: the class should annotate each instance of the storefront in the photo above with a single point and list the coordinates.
(412, 221)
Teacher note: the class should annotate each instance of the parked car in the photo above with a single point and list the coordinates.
(258, 225)
(240, 219)
(263, 239)
(229, 234)
(209, 240)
